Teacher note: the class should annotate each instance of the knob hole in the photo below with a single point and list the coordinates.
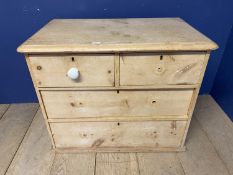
(153, 102)
(39, 67)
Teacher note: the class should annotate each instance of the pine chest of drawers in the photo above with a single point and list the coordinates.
(117, 84)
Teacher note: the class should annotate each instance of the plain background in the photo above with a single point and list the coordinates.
(20, 19)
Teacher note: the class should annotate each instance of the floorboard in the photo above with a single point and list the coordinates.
(209, 148)
(34, 156)
(13, 127)
(200, 157)
(116, 164)
(218, 127)
(159, 164)
(3, 109)
(74, 164)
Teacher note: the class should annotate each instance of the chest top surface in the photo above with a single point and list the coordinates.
(116, 35)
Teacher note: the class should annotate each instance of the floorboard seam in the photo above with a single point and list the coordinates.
(225, 116)
(177, 157)
(51, 166)
(1, 117)
(21, 141)
(95, 164)
(139, 172)
(213, 146)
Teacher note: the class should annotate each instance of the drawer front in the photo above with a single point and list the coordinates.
(118, 134)
(152, 69)
(77, 104)
(94, 70)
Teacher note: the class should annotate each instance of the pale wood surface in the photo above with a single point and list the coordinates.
(159, 164)
(203, 155)
(40, 100)
(104, 51)
(74, 164)
(120, 119)
(35, 155)
(111, 35)
(95, 135)
(116, 164)
(94, 69)
(76, 104)
(3, 109)
(222, 139)
(167, 69)
(195, 96)
(13, 127)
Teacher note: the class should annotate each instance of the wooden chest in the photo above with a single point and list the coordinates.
(117, 84)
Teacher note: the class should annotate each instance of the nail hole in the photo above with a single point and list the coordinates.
(160, 69)
(161, 57)
(72, 58)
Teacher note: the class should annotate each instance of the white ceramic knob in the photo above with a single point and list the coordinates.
(73, 73)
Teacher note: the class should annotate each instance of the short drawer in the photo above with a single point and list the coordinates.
(118, 134)
(94, 70)
(157, 69)
(124, 103)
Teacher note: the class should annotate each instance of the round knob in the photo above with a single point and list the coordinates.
(73, 73)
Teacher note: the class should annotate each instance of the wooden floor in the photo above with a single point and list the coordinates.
(25, 148)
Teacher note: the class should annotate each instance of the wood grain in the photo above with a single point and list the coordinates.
(194, 97)
(118, 134)
(201, 157)
(13, 127)
(116, 35)
(132, 71)
(159, 164)
(74, 164)
(3, 109)
(51, 71)
(35, 155)
(165, 69)
(116, 164)
(39, 99)
(78, 104)
(219, 128)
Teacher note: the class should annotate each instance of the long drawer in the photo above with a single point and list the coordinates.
(94, 70)
(118, 134)
(142, 69)
(110, 103)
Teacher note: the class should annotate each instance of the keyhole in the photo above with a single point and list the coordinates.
(118, 124)
(118, 91)
(72, 58)
(161, 57)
